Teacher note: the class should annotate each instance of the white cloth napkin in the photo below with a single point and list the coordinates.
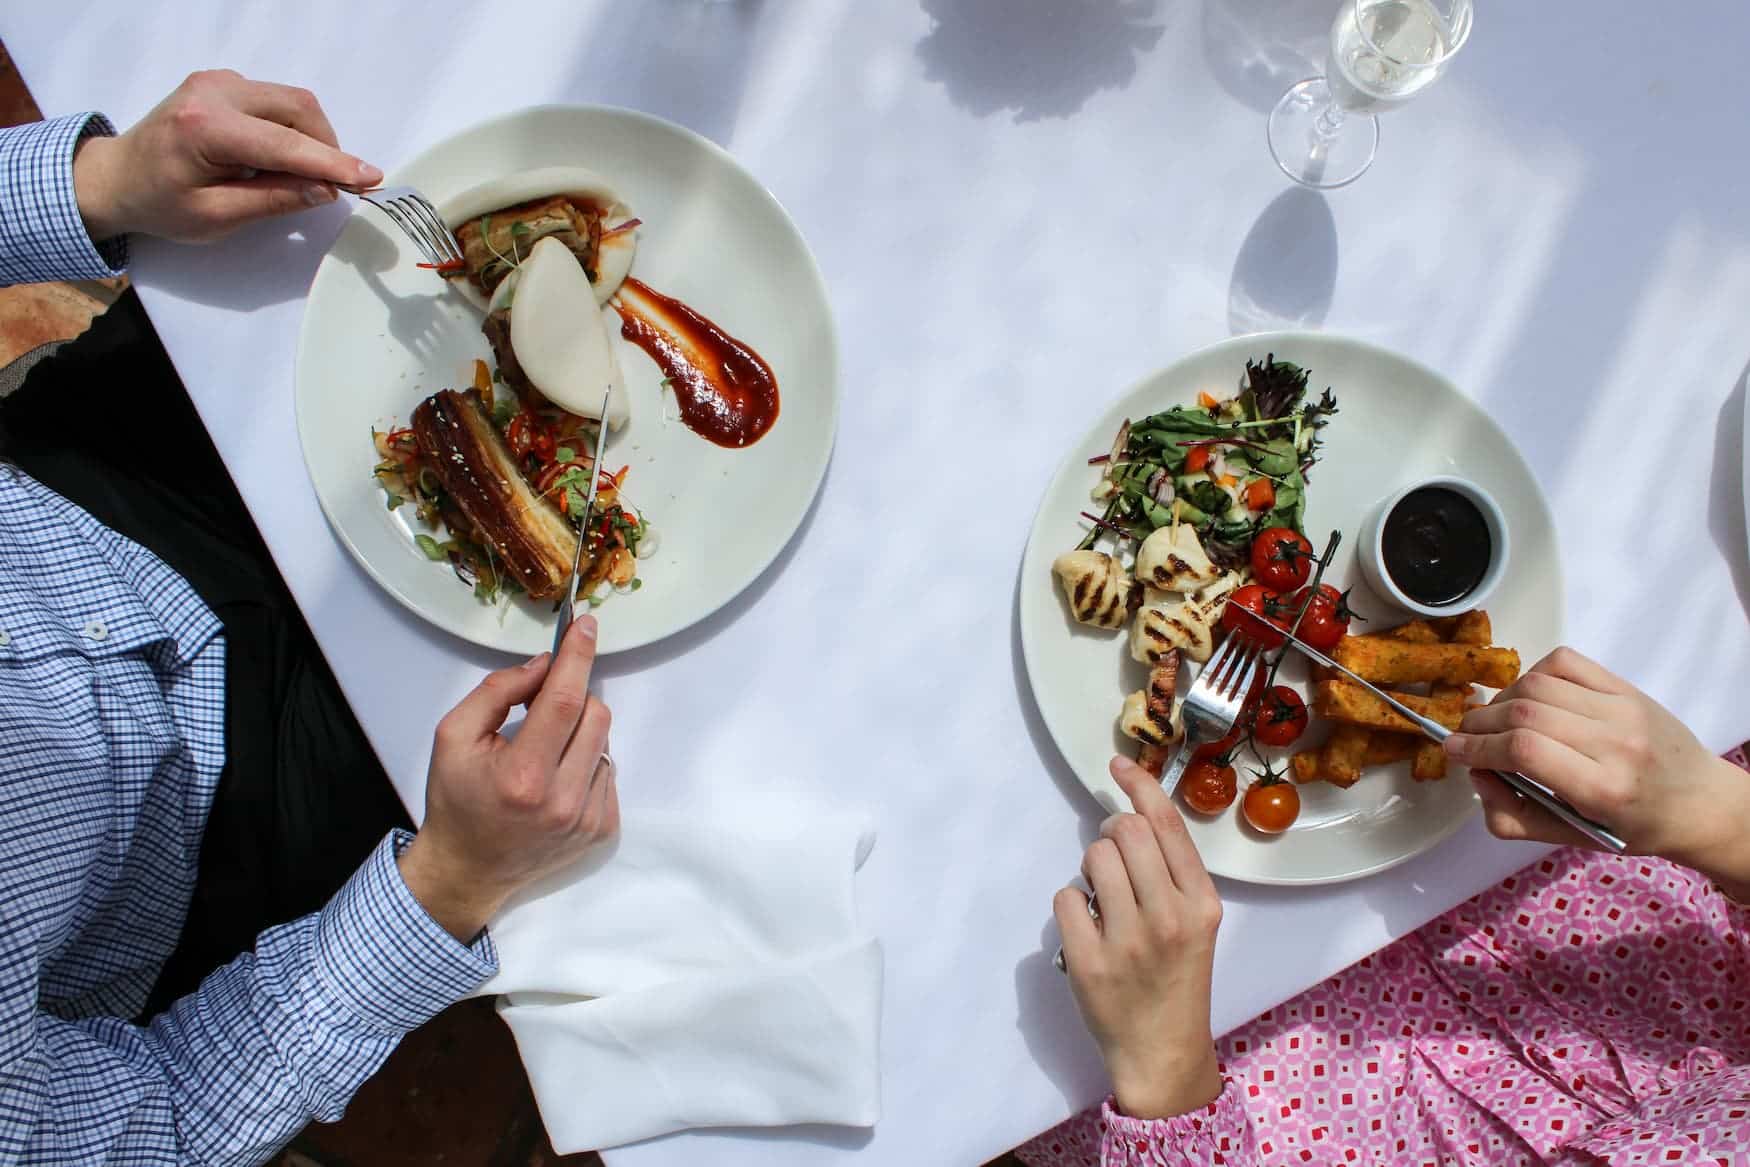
(698, 972)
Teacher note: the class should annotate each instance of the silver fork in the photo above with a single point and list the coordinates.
(419, 221)
(1209, 711)
(1214, 701)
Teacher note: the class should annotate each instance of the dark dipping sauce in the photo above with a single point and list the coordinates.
(727, 392)
(1436, 546)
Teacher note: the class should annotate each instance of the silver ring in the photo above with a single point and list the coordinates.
(1058, 961)
(603, 765)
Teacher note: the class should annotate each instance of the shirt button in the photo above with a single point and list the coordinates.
(5, 638)
(97, 630)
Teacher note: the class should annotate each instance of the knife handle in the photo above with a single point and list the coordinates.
(1526, 787)
(564, 623)
(1530, 788)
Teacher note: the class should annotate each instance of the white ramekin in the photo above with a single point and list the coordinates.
(1372, 557)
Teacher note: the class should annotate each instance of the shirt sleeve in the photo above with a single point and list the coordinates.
(277, 1038)
(42, 236)
(1218, 1133)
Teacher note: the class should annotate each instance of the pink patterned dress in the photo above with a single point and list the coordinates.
(1588, 1010)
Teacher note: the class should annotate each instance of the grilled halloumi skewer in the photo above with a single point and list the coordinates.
(1097, 586)
(1172, 560)
(1167, 622)
(1151, 715)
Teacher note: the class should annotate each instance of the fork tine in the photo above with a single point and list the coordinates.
(433, 239)
(1222, 658)
(1236, 660)
(1247, 671)
(435, 224)
(390, 208)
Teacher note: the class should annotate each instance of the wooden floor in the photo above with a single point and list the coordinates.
(454, 1092)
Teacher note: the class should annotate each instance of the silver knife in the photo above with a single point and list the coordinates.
(568, 609)
(1522, 784)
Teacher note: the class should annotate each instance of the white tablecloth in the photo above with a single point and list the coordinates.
(1021, 207)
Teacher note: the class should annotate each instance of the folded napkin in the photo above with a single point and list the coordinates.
(698, 972)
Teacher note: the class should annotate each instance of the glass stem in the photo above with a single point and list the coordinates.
(1329, 122)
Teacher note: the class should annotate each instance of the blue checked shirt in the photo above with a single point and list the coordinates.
(112, 703)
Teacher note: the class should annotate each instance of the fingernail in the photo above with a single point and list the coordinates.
(317, 193)
(1457, 746)
(369, 175)
(586, 627)
(536, 661)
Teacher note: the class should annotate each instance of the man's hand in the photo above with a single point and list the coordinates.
(1619, 757)
(499, 813)
(1141, 975)
(219, 152)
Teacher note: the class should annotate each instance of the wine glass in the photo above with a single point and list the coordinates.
(1323, 133)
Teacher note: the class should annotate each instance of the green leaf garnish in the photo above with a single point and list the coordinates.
(432, 548)
(565, 454)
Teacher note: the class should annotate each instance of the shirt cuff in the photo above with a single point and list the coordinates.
(1217, 1133)
(381, 955)
(42, 236)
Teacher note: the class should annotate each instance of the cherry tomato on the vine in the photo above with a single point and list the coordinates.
(1281, 559)
(1281, 717)
(1209, 785)
(1271, 805)
(1327, 618)
(1261, 601)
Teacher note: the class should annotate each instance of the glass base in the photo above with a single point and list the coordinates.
(1320, 157)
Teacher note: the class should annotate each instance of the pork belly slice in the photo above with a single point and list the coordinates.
(526, 533)
(489, 255)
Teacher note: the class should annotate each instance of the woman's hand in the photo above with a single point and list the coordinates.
(219, 152)
(501, 813)
(1619, 757)
(1141, 973)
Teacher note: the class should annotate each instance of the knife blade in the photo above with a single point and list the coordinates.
(568, 609)
(1521, 784)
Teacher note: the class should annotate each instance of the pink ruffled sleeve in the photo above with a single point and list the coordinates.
(1218, 1133)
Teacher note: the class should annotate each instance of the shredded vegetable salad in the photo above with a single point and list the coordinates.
(1229, 468)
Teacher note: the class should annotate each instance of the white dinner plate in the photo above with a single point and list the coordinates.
(1397, 421)
(379, 335)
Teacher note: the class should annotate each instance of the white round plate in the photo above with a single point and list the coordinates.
(1397, 421)
(380, 334)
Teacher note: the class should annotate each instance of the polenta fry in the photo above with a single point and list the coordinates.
(1387, 662)
(1349, 702)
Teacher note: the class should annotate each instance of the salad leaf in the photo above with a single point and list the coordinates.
(1208, 497)
(1268, 431)
(1276, 458)
(434, 550)
(1273, 388)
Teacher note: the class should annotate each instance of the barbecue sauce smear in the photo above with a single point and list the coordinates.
(727, 392)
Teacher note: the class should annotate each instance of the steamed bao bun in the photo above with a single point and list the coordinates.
(560, 336)
(614, 260)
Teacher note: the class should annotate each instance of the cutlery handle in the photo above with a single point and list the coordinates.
(1528, 787)
(1555, 804)
(1176, 768)
(564, 624)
